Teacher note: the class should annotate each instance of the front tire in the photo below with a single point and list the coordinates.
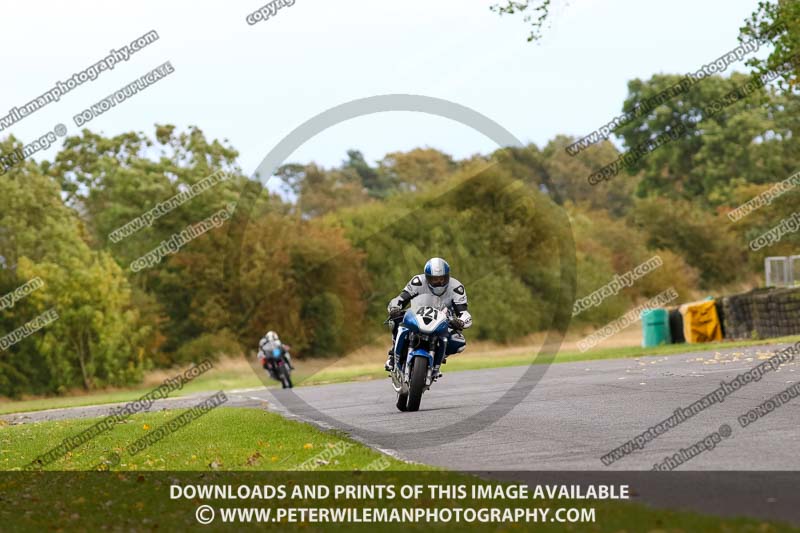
(419, 375)
(286, 381)
(402, 401)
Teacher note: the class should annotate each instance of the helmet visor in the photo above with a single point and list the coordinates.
(438, 281)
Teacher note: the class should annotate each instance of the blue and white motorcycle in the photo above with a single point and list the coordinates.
(420, 345)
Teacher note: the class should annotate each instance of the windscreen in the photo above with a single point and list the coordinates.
(427, 300)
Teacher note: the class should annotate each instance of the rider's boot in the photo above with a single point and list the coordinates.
(389, 365)
(437, 373)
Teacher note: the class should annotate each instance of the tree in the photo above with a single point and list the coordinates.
(704, 239)
(735, 141)
(501, 237)
(98, 338)
(298, 277)
(375, 183)
(563, 177)
(606, 246)
(320, 191)
(535, 12)
(416, 169)
(776, 23)
(112, 181)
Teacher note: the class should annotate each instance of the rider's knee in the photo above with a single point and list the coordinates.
(457, 343)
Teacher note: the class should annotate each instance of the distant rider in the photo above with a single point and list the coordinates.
(436, 280)
(267, 344)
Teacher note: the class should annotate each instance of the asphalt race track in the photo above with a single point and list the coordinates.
(574, 415)
(565, 420)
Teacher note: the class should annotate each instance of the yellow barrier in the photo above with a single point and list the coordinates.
(700, 322)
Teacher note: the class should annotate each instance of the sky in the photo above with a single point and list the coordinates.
(254, 84)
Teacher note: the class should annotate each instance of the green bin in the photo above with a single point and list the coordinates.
(655, 327)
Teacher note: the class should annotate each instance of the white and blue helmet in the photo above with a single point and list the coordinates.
(437, 274)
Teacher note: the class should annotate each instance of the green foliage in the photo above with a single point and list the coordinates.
(763, 220)
(563, 177)
(114, 180)
(265, 269)
(498, 235)
(325, 316)
(535, 14)
(703, 239)
(775, 23)
(750, 140)
(209, 346)
(98, 337)
(320, 191)
(504, 307)
(282, 267)
(416, 169)
(607, 246)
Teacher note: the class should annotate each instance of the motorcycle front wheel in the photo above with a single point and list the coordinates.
(419, 375)
(285, 380)
(402, 401)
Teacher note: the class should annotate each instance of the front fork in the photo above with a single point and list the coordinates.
(400, 376)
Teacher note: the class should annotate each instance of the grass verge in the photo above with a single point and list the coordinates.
(226, 438)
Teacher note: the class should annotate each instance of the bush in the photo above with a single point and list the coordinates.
(703, 239)
(209, 346)
(501, 237)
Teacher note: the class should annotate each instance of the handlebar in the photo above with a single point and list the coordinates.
(395, 317)
(456, 323)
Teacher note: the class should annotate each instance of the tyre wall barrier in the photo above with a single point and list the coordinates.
(762, 313)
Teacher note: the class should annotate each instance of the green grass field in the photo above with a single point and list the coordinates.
(243, 377)
(249, 440)
(228, 438)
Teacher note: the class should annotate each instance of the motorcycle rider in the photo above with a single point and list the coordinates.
(267, 344)
(436, 280)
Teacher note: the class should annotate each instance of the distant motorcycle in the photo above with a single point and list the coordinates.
(421, 339)
(278, 369)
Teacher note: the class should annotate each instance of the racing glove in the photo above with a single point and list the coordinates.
(456, 323)
(396, 303)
